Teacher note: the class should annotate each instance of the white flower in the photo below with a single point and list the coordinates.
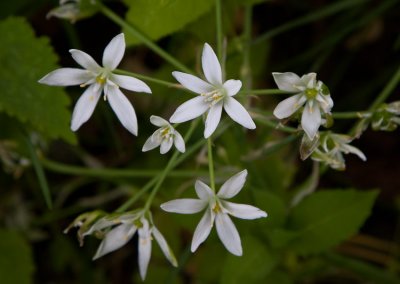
(314, 94)
(165, 136)
(99, 79)
(214, 95)
(217, 209)
(127, 225)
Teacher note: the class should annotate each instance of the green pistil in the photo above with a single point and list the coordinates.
(311, 94)
(100, 79)
(138, 223)
(217, 208)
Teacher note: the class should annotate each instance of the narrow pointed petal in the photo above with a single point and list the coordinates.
(325, 102)
(287, 81)
(84, 60)
(311, 120)
(351, 149)
(144, 255)
(309, 80)
(66, 77)
(228, 234)
(130, 83)
(232, 87)
(150, 144)
(192, 83)
(85, 106)
(166, 145)
(203, 191)
(115, 239)
(179, 142)
(289, 106)
(184, 206)
(203, 229)
(158, 121)
(211, 67)
(123, 109)
(213, 118)
(114, 52)
(238, 113)
(243, 211)
(164, 247)
(189, 110)
(233, 185)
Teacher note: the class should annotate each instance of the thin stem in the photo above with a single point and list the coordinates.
(350, 114)
(142, 38)
(262, 92)
(384, 94)
(148, 78)
(218, 14)
(136, 197)
(211, 164)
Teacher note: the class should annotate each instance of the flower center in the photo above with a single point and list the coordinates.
(101, 79)
(214, 96)
(311, 93)
(165, 132)
(217, 208)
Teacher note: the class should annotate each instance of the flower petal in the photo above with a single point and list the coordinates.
(213, 118)
(192, 83)
(85, 106)
(189, 110)
(84, 60)
(228, 234)
(150, 144)
(164, 246)
(144, 251)
(311, 120)
(203, 229)
(158, 121)
(184, 206)
(243, 211)
(67, 77)
(130, 83)
(166, 145)
(238, 113)
(351, 149)
(232, 87)
(326, 102)
(179, 142)
(211, 67)
(115, 239)
(309, 80)
(123, 109)
(289, 106)
(287, 81)
(203, 191)
(233, 185)
(114, 52)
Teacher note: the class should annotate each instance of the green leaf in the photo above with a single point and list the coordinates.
(273, 205)
(16, 263)
(328, 217)
(24, 60)
(158, 18)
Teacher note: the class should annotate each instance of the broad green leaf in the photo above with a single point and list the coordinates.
(158, 18)
(24, 59)
(328, 217)
(16, 263)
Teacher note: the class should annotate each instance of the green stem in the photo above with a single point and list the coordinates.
(148, 78)
(384, 94)
(218, 15)
(350, 114)
(275, 125)
(211, 164)
(134, 31)
(262, 92)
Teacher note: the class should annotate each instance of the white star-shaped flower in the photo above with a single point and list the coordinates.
(217, 210)
(164, 137)
(314, 94)
(214, 95)
(99, 79)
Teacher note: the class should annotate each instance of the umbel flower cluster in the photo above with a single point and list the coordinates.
(311, 100)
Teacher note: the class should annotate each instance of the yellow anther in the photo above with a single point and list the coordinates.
(101, 80)
(217, 208)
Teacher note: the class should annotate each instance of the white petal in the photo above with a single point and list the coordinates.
(184, 206)
(114, 52)
(287, 81)
(179, 142)
(238, 113)
(311, 120)
(243, 211)
(233, 185)
(84, 60)
(164, 246)
(192, 83)
(189, 110)
(85, 106)
(203, 191)
(213, 118)
(289, 106)
(355, 151)
(144, 254)
(203, 229)
(232, 87)
(166, 145)
(326, 102)
(228, 234)
(211, 67)
(130, 83)
(309, 80)
(67, 77)
(151, 144)
(123, 109)
(158, 121)
(115, 239)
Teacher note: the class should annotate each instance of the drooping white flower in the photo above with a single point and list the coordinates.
(313, 94)
(215, 95)
(164, 137)
(73, 10)
(217, 210)
(99, 79)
